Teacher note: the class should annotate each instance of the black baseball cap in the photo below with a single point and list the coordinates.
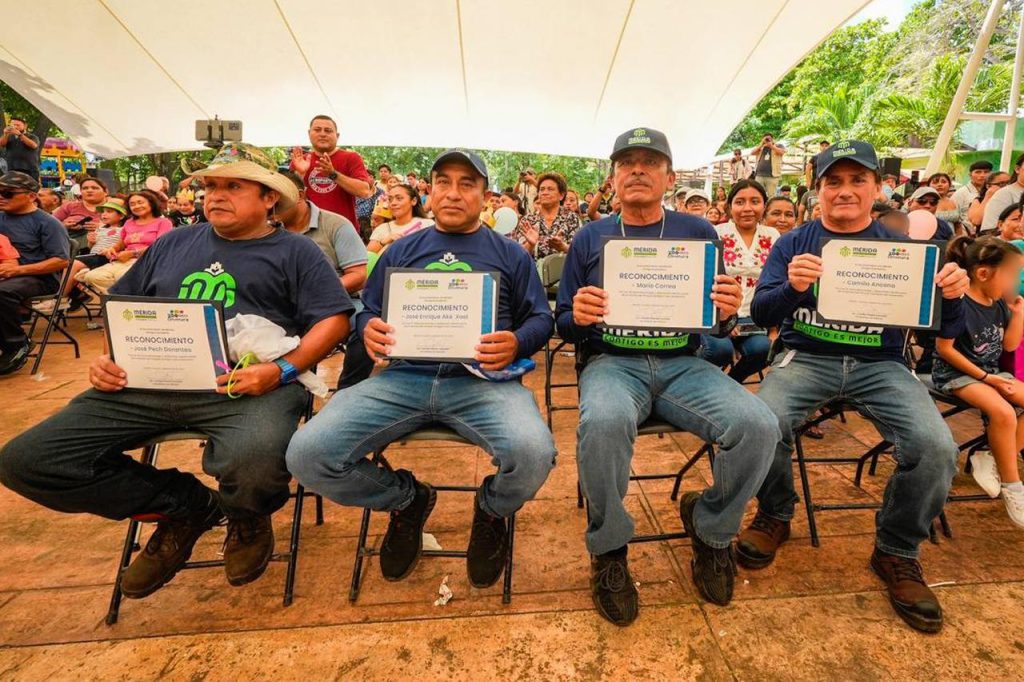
(642, 138)
(857, 151)
(465, 156)
(19, 180)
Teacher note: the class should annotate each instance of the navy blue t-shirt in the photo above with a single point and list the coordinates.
(582, 269)
(777, 304)
(522, 303)
(283, 277)
(37, 236)
(979, 338)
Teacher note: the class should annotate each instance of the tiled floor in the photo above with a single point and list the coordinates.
(815, 614)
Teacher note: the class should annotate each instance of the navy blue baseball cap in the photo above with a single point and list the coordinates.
(465, 156)
(642, 138)
(857, 151)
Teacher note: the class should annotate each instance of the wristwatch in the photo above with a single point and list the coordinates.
(288, 372)
(333, 175)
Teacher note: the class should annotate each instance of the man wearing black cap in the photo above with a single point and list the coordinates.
(630, 376)
(864, 365)
(329, 454)
(43, 244)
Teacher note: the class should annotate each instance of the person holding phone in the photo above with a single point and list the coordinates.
(768, 167)
(21, 147)
(334, 177)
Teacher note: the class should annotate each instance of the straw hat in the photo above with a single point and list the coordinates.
(245, 162)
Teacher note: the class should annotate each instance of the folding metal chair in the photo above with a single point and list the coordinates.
(151, 448)
(364, 550)
(52, 308)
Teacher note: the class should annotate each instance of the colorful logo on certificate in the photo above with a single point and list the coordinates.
(677, 252)
(177, 315)
(899, 253)
(458, 283)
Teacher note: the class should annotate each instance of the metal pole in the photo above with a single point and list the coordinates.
(1011, 124)
(956, 107)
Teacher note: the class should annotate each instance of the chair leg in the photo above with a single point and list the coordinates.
(706, 448)
(293, 547)
(42, 345)
(944, 522)
(319, 509)
(357, 570)
(506, 593)
(805, 483)
(548, 370)
(130, 545)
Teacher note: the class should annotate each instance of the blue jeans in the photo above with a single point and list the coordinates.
(329, 455)
(617, 393)
(891, 398)
(753, 352)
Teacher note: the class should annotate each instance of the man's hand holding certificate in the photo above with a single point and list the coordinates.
(440, 316)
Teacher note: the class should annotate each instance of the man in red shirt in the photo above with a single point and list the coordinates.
(334, 177)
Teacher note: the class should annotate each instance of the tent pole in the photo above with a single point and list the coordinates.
(1011, 124)
(956, 107)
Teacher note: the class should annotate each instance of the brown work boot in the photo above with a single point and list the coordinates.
(168, 549)
(247, 549)
(909, 594)
(757, 544)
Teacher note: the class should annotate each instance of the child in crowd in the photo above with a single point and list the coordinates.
(101, 241)
(895, 221)
(967, 365)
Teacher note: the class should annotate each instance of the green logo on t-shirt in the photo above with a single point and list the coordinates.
(640, 340)
(450, 262)
(211, 284)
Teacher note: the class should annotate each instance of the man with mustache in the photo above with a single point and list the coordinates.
(632, 376)
(864, 365)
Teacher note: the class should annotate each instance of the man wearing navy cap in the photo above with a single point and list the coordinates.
(864, 365)
(329, 454)
(631, 376)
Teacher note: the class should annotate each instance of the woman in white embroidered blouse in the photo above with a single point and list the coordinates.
(745, 247)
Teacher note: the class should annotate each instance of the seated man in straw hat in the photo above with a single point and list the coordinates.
(74, 461)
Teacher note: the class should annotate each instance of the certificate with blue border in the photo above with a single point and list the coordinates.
(880, 283)
(439, 315)
(660, 285)
(166, 344)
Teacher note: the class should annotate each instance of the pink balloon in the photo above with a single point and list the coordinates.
(922, 224)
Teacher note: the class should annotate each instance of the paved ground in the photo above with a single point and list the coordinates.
(816, 614)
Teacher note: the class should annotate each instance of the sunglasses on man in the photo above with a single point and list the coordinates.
(928, 201)
(11, 193)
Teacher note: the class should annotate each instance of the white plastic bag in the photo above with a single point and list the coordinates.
(267, 341)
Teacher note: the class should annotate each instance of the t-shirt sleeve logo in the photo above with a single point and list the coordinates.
(211, 284)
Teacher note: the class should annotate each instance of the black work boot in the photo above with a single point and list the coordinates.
(612, 588)
(169, 548)
(403, 543)
(248, 548)
(714, 569)
(488, 546)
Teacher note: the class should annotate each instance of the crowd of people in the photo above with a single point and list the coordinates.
(290, 242)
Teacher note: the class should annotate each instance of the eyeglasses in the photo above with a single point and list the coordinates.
(1004, 183)
(11, 193)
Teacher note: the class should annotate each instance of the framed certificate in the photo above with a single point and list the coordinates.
(166, 344)
(881, 283)
(439, 315)
(656, 284)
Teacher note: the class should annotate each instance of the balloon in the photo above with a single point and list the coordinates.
(505, 220)
(371, 260)
(922, 224)
(154, 184)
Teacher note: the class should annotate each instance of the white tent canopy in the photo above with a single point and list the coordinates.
(554, 76)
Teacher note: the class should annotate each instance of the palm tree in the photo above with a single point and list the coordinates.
(834, 115)
(895, 119)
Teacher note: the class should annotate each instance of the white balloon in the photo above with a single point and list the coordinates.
(505, 220)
